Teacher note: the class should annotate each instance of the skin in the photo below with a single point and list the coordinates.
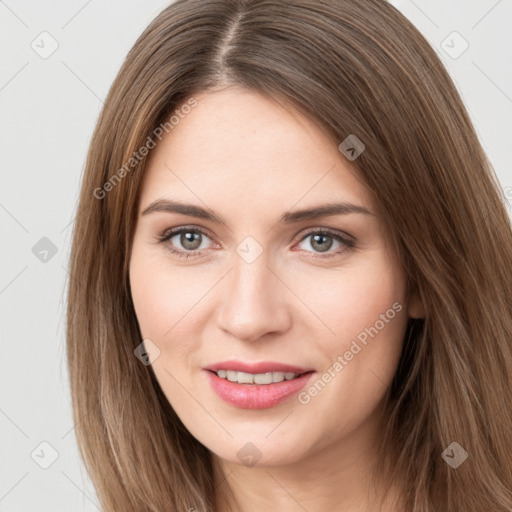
(249, 159)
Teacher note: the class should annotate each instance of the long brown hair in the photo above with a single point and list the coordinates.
(356, 68)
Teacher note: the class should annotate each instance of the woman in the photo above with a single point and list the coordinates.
(219, 360)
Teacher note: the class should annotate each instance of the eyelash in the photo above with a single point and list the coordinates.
(346, 242)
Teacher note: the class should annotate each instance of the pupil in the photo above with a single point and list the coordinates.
(322, 247)
(190, 238)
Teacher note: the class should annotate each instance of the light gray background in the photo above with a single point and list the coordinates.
(48, 109)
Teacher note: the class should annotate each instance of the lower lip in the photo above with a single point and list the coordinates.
(256, 396)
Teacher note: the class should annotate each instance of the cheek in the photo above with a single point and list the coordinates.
(349, 300)
(364, 310)
(168, 300)
(168, 304)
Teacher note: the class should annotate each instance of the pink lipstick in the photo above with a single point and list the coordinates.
(264, 384)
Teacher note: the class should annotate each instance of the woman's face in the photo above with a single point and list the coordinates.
(264, 284)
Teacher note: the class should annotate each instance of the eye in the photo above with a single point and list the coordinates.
(190, 239)
(321, 240)
(193, 242)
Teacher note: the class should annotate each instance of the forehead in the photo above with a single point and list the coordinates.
(237, 147)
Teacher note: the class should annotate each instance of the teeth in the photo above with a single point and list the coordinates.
(232, 376)
(260, 378)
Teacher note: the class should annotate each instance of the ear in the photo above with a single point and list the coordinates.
(415, 307)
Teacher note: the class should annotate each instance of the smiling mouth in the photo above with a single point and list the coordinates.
(256, 378)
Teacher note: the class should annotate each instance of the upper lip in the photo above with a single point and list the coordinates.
(261, 367)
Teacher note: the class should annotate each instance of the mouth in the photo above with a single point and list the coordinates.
(265, 378)
(246, 390)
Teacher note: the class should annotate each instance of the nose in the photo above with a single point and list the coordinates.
(254, 301)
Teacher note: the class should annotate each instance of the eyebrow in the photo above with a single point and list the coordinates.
(315, 212)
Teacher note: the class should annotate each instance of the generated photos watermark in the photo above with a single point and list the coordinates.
(143, 151)
(343, 360)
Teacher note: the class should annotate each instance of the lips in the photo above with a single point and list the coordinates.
(255, 396)
(256, 368)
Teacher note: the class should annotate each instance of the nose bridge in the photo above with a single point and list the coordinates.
(253, 301)
(251, 278)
